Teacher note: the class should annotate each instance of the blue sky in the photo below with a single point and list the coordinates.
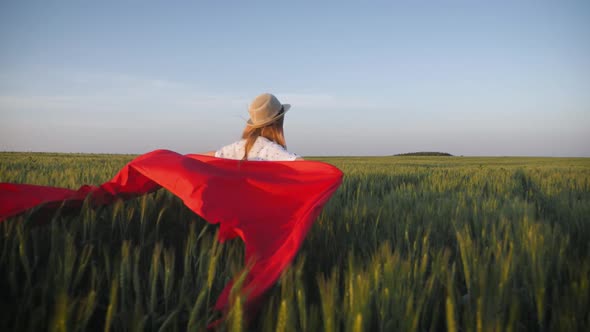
(489, 78)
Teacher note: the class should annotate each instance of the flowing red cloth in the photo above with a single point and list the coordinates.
(270, 205)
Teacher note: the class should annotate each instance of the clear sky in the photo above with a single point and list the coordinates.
(364, 78)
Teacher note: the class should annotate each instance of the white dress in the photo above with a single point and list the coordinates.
(262, 149)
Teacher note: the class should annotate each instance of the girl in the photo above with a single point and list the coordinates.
(263, 137)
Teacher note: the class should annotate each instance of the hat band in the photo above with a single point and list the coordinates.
(279, 113)
(267, 121)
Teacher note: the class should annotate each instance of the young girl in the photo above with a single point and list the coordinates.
(263, 137)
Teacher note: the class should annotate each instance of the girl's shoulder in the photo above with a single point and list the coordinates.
(265, 149)
(234, 150)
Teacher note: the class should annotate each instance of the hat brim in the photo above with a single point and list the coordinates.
(286, 107)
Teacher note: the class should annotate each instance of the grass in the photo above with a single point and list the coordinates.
(406, 244)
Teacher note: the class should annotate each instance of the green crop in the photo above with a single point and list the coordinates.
(406, 244)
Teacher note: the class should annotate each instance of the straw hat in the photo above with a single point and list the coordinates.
(266, 109)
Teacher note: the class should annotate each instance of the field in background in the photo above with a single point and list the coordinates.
(406, 244)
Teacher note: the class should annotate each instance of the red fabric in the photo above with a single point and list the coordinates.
(270, 205)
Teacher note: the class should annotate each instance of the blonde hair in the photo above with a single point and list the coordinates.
(272, 131)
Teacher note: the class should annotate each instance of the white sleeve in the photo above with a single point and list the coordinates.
(276, 152)
(228, 151)
(219, 153)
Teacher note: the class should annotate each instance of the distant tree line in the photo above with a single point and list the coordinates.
(425, 154)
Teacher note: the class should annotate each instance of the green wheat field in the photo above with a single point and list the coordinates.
(405, 244)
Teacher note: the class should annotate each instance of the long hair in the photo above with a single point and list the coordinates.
(272, 131)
